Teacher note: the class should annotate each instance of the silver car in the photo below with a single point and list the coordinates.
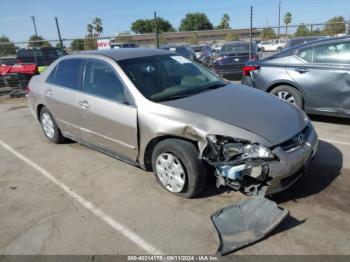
(163, 112)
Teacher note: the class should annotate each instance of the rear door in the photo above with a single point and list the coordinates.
(61, 92)
(324, 76)
(109, 116)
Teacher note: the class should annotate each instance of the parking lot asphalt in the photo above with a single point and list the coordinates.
(69, 199)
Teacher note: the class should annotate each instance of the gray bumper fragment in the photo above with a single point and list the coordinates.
(248, 221)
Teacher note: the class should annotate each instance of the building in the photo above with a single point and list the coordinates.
(183, 37)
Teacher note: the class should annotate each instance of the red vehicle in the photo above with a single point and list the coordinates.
(17, 75)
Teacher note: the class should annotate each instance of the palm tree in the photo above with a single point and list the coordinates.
(225, 22)
(287, 20)
(98, 25)
(90, 29)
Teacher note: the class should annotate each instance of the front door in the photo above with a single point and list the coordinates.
(109, 118)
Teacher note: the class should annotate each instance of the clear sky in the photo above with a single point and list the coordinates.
(117, 15)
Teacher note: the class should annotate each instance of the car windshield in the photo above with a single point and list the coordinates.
(238, 47)
(169, 77)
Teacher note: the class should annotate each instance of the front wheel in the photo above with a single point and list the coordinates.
(289, 94)
(177, 168)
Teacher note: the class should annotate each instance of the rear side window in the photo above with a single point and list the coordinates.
(101, 80)
(333, 53)
(67, 73)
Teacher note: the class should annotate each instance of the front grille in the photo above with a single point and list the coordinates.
(297, 141)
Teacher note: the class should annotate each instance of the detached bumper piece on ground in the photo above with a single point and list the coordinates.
(246, 222)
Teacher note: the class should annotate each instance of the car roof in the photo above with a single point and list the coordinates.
(292, 49)
(322, 40)
(128, 53)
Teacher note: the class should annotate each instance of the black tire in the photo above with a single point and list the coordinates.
(57, 137)
(195, 169)
(298, 98)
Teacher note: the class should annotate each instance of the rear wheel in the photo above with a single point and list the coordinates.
(289, 94)
(177, 168)
(49, 126)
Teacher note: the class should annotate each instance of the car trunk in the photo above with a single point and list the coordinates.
(230, 60)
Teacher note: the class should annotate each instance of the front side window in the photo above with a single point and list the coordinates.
(67, 73)
(101, 80)
(306, 54)
(167, 77)
(333, 53)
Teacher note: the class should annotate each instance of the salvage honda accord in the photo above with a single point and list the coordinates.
(163, 112)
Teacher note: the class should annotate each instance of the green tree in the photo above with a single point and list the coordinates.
(287, 20)
(225, 22)
(302, 30)
(90, 44)
(77, 44)
(268, 33)
(143, 26)
(58, 45)
(97, 23)
(316, 32)
(231, 36)
(193, 39)
(335, 25)
(195, 22)
(38, 41)
(6, 46)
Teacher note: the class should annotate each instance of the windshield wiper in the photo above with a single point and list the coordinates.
(173, 97)
(215, 86)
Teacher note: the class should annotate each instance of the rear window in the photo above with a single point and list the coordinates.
(228, 48)
(67, 73)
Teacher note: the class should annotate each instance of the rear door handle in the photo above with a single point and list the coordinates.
(84, 104)
(301, 70)
(48, 92)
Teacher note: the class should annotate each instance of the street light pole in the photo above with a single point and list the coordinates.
(279, 18)
(156, 28)
(33, 19)
(59, 33)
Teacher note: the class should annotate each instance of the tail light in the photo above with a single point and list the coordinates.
(249, 68)
(254, 57)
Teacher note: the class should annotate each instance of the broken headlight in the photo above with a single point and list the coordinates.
(230, 149)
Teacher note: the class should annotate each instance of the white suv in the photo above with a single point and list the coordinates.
(272, 45)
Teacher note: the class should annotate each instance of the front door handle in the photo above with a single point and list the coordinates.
(301, 70)
(84, 104)
(48, 92)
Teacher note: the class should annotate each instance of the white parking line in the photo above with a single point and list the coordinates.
(335, 141)
(88, 205)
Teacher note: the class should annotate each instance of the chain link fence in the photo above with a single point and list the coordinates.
(19, 61)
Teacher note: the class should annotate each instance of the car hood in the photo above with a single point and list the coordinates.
(253, 110)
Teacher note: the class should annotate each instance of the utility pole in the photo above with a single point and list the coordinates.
(279, 18)
(33, 19)
(251, 32)
(156, 28)
(59, 33)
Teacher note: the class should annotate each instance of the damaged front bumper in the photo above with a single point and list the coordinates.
(266, 177)
(293, 163)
